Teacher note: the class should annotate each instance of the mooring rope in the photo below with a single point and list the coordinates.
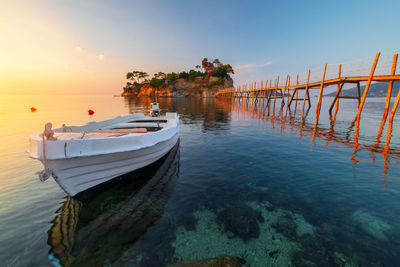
(46, 135)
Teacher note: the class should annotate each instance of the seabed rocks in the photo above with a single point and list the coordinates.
(241, 220)
(371, 224)
(283, 238)
(220, 261)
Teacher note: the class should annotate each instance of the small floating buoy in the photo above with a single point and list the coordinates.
(91, 112)
(33, 109)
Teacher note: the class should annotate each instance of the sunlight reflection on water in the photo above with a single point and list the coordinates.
(228, 152)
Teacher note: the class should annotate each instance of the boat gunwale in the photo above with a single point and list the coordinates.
(172, 122)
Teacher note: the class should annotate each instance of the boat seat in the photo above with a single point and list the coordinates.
(133, 130)
(98, 134)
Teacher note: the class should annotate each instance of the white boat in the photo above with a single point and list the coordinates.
(82, 157)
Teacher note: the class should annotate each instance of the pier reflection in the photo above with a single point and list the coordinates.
(289, 123)
(97, 232)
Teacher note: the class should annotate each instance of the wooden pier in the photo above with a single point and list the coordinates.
(260, 99)
(269, 91)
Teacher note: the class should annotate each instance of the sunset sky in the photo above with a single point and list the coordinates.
(86, 47)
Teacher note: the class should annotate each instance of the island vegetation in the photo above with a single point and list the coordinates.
(204, 80)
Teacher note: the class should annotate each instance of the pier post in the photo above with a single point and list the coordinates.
(336, 99)
(288, 96)
(276, 89)
(358, 93)
(284, 90)
(321, 90)
(390, 87)
(360, 108)
(305, 95)
(394, 108)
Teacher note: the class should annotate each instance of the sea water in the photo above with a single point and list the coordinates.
(267, 188)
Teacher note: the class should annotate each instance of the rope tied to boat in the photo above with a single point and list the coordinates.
(66, 128)
(48, 134)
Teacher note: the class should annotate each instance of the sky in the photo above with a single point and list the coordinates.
(87, 47)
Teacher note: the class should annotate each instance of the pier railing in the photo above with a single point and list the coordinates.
(383, 69)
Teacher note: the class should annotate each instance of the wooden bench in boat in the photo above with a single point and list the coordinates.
(99, 134)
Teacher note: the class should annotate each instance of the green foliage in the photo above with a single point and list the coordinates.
(129, 75)
(157, 82)
(184, 75)
(160, 75)
(212, 67)
(223, 71)
(137, 76)
(193, 74)
(172, 76)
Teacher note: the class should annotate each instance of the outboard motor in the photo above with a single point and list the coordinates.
(155, 109)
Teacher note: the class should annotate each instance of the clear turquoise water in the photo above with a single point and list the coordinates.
(320, 201)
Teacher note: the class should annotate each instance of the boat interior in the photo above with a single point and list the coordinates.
(135, 123)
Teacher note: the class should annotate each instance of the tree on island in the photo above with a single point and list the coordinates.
(211, 68)
(216, 68)
(160, 75)
(137, 76)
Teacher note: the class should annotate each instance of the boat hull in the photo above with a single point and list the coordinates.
(75, 175)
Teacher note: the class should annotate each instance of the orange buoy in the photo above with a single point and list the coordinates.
(33, 109)
(91, 112)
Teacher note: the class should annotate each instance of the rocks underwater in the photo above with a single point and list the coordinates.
(255, 234)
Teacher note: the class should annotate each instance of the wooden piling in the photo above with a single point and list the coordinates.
(284, 90)
(276, 89)
(390, 87)
(394, 108)
(358, 93)
(305, 94)
(321, 90)
(360, 108)
(288, 96)
(336, 99)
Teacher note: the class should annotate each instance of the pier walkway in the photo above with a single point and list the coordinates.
(270, 90)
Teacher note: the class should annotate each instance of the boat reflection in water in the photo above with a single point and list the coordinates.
(97, 232)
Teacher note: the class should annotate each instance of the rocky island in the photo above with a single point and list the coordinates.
(210, 77)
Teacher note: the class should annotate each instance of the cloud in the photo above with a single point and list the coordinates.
(80, 50)
(251, 67)
(100, 57)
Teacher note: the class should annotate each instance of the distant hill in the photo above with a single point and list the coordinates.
(378, 89)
